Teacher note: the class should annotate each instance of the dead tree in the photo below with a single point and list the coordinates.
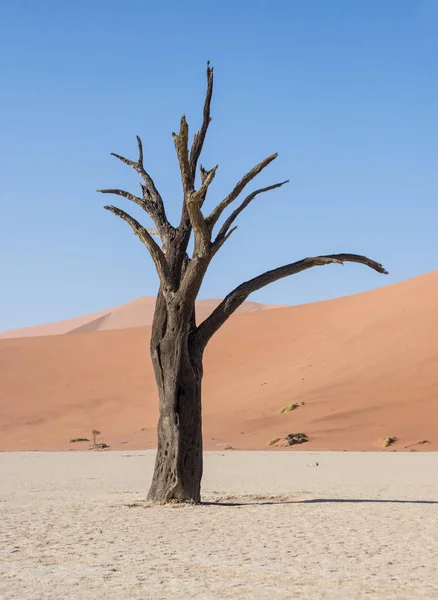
(177, 342)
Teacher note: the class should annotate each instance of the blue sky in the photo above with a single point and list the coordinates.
(346, 92)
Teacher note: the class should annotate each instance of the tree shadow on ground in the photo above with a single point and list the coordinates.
(315, 501)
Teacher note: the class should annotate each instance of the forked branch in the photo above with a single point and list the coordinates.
(223, 231)
(194, 203)
(239, 187)
(235, 298)
(151, 201)
(147, 239)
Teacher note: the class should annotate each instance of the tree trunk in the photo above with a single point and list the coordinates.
(178, 372)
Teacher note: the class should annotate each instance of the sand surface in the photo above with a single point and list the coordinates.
(358, 526)
(365, 366)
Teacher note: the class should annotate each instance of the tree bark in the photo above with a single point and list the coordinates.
(178, 372)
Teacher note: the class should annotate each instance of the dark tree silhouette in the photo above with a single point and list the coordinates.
(177, 342)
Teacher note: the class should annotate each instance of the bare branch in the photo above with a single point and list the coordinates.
(197, 221)
(152, 202)
(216, 213)
(127, 195)
(149, 186)
(235, 298)
(194, 201)
(207, 178)
(219, 243)
(181, 141)
(153, 231)
(227, 224)
(192, 275)
(199, 138)
(203, 173)
(140, 152)
(154, 249)
(127, 161)
(195, 153)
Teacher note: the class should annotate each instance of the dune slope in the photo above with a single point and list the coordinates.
(365, 366)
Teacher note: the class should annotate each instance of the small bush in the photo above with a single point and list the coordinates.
(388, 441)
(295, 438)
(95, 433)
(288, 408)
(274, 441)
(97, 445)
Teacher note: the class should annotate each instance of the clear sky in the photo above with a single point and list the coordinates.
(346, 92)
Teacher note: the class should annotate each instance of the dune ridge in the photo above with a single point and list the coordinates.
(137, 313)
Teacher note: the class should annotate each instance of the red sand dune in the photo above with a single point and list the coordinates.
(137, 313)
(366, 367)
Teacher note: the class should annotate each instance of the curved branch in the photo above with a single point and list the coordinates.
(220, 238)
(235, 298)
(216, 213)
(147, 239)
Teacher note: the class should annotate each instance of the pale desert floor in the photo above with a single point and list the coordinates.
(274, 525)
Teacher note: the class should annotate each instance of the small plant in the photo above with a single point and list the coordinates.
(388, 441)
(274, 441)
(95, 433)
(288, 408)
(79, 439)
(96, 445)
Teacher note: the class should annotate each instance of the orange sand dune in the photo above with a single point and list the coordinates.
(366, 367)
(137, 313)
